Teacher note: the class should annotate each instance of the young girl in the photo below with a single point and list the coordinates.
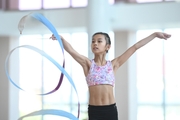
(100, 73)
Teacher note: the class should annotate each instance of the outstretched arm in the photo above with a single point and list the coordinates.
(117, 62)
(82, 60)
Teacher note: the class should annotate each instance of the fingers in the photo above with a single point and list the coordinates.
(166, 36)
(53, 37)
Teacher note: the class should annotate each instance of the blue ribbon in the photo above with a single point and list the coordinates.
(51, 112)
(45, 21)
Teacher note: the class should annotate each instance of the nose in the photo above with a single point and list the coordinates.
(95, 42)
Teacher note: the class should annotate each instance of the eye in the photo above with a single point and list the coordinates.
(99, 41)
(93, 41)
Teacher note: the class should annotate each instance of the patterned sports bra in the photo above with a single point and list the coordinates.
(99, 75)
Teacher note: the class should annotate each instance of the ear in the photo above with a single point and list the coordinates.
(108, 47)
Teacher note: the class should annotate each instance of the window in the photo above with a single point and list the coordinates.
(111, 2)
(30, 75)
(143, 1)
(38, 75)
(158, 78)
(29, 4)
(50, 4)
(44, 4)
(150, 79)
(47, 4)
(58, 4)
(146, 1)
(172, 77)
(79, 3)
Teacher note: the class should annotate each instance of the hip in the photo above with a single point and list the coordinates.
(103, 112)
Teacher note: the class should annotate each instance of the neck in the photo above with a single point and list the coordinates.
(100, 60)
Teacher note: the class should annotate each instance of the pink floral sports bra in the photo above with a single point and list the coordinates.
(99, 75)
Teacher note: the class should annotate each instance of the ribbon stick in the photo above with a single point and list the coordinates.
(48, 24)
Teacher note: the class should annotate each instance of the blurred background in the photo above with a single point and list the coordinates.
(147, 85)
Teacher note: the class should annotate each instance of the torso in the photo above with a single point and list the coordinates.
(102, 94)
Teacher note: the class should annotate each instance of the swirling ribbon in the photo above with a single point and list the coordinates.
(48, 24)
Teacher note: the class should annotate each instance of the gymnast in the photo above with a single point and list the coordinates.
(100, 73)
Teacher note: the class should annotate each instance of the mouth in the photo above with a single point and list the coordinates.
(95, 48)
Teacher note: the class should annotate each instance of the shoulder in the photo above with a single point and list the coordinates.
(114, 65)
(87, 67)
(88, 62)
(114, 62)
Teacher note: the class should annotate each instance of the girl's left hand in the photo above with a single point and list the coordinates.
(162, 35)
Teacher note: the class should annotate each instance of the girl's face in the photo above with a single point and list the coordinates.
(99, 44)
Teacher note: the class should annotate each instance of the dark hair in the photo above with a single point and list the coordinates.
(107, 38)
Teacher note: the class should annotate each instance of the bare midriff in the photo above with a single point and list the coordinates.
(101, 95)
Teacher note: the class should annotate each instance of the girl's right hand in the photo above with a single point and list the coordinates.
(54, 38)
